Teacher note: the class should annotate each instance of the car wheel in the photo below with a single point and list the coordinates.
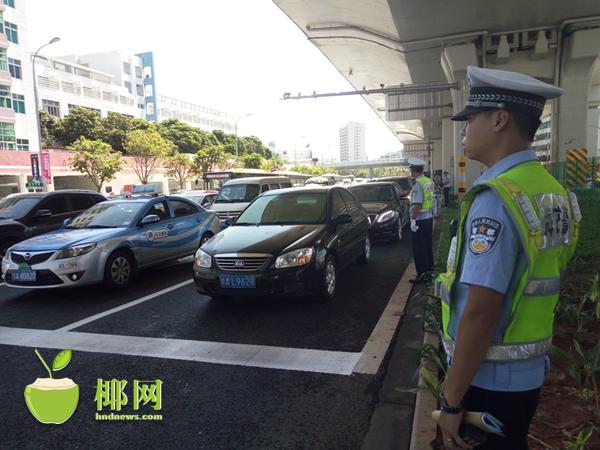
(118, 272)
(329, 280)
(366, 254)
(205, 237)
(398, 236)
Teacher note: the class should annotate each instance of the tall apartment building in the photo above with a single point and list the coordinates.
(18, 128)
(352, 142)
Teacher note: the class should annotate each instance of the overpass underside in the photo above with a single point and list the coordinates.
(431, 42)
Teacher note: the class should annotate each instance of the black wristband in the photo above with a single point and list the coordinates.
(446, 408)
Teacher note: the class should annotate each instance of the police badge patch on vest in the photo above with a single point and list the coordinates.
(484, 235)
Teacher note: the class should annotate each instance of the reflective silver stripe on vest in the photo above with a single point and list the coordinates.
(509, 352)
(542, 286)
(442, 292)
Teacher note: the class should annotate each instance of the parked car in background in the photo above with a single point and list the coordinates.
(286, 242)
(388, 209)
(204, 198)
(404, 182)
(236, 194)
(109, 242)
(26, 215)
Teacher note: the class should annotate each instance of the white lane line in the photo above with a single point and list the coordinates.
(374, 350)
(122, 307)
(298, 359)
(2, 284)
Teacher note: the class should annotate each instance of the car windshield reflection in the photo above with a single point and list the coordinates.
(17, 206)
(108, 215)
(285, 209)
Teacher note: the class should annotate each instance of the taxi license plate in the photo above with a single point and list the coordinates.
(238, 281)
(24, 275)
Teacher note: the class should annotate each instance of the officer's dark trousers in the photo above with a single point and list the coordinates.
(422, 246)
(514, 409)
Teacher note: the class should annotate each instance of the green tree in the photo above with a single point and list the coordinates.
(309, 170)
(187, 138)
(252, 144)
(148, 149)
(96, 160)
(49, 125)
(208, 158)
(179, 167)
(252, 160)
(272, 165)
(80, 122)
(143, 124)
(114, 129)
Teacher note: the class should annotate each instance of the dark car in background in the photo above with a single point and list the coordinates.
(26, 215)
(405, 183)
(286, 242)
(388, 209)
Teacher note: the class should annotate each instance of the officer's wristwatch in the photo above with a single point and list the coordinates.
(446, 408)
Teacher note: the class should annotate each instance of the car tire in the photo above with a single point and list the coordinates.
(328, 280)
(119, 270)
(398, 236)
(366, 253)
(205, 237)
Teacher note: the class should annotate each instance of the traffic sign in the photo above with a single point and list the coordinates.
(34, 185)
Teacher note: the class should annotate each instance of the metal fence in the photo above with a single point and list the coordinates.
(577, 174)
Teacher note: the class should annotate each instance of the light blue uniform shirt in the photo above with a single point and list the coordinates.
(492, 256)
(418, 196)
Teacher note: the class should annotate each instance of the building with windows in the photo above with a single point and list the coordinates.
(352, 142)
(193, 114)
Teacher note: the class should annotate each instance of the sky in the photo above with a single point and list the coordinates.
(237, 56)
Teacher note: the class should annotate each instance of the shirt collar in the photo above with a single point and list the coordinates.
(507, 163)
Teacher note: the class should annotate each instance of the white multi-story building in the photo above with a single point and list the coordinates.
(352, 142)
(194, 114)
(18, 128)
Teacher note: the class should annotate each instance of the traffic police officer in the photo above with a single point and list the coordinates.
(421, 223)
(518, 230)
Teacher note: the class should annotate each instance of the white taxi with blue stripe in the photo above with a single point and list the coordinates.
(109, 242)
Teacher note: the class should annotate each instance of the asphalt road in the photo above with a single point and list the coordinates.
(245, 374)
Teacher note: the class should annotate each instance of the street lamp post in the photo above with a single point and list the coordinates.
(37, 107)
(236, 132)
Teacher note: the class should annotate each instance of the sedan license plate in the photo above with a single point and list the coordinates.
(24, 275)
(238, 281)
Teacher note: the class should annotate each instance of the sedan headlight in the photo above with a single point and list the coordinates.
(388, 215)
(78, 250)
(294, 258)
(202, 259)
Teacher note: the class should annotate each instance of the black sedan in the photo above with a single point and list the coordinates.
(286, 242)
(388, 209)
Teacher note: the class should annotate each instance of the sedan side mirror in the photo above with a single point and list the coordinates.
(150, 218)
(67, 222)
(343, 219)
(42, 214)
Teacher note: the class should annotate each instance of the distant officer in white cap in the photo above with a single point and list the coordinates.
(421, 219)
(518, 230)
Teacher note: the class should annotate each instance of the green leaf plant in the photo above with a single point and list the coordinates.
(60, 361)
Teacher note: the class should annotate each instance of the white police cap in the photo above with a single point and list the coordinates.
(415, 162)
(500, 89)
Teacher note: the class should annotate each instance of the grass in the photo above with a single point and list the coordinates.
(589, 243)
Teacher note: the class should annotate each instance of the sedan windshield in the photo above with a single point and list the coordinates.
(11, 208)
(108, 215)
(366, 193)
(285, 209)
(237, 193)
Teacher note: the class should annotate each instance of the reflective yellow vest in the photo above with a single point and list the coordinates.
(427, 186)
(547, 218)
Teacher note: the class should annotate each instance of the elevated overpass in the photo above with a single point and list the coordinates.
(407, 42)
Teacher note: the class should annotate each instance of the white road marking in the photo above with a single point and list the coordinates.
(2, 284)
(298, 359)
(377, 345)
(122, 307)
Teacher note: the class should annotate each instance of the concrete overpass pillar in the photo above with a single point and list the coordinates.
(437, 159)
(455, 60)
(581, 54)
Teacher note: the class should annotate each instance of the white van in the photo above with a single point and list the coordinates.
(236, 194)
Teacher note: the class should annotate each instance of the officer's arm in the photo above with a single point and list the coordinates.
(475, 329)
(417, 201)
(416, 209)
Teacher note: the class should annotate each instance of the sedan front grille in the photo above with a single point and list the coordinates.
(224, 215)
(242, 263)
(372, 218)
(29, 258)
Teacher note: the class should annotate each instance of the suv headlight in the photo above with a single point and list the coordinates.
(78, 250)
(202, 259)
(294, 258)
(388, 215)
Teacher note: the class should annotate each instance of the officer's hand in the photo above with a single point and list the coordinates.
(449, 424)
(413, 226)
